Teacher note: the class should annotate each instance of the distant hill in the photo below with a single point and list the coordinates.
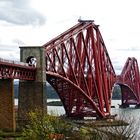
(116, 93)
(51, 94)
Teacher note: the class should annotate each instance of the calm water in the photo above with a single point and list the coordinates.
(128, 112)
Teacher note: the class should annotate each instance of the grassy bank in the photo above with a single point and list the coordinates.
(46, 127)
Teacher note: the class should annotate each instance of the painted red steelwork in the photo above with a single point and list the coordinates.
(79, 68)
(129, 81)
(13, 70)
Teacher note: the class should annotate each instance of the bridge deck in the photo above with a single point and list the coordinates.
(16, 70)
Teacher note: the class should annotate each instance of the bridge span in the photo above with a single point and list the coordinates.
(16, 70)
(77, 65)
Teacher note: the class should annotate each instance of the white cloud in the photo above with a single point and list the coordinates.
(19, 12)
(118, 20)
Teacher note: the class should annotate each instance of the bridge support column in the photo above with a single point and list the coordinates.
(32, 94)
(7, 113)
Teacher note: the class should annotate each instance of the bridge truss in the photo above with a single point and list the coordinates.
(16, 70)
(79, 68)
(129, 81)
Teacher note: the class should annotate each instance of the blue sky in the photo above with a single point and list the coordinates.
(35, 22)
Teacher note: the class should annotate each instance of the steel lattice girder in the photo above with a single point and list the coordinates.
(78, 59)
(16, 71)
(130, 76)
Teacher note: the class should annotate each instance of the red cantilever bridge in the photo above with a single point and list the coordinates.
(79, 68)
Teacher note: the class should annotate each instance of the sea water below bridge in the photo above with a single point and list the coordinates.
(124, 113)
(130, 115)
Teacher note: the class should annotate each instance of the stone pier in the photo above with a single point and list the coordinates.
(32, 93)
(7, 113)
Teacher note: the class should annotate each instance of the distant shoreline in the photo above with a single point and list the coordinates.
(54, 103)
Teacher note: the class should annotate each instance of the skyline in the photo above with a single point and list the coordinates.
(35, 22)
